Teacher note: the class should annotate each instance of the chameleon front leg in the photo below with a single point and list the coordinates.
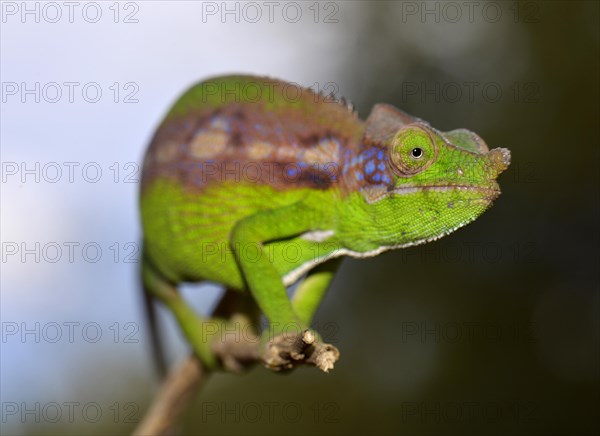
(191, 324)
(263, 280)
(282, 350)
(310, 292)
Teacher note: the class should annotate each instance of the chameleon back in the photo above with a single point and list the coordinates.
(229, 148)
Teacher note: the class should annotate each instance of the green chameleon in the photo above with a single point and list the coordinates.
(255, 183)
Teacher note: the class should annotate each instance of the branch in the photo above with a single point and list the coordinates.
(173, 398)
(235, 312)
(282, 353)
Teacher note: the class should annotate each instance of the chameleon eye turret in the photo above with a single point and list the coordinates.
(412, 150)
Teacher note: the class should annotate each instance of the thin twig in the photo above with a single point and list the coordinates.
(173, 398)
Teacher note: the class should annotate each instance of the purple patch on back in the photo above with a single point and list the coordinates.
(368, 168)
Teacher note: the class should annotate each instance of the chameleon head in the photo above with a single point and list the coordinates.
(421, 158)
(440, 181)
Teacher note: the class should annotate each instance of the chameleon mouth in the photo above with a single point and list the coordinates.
(490, 192)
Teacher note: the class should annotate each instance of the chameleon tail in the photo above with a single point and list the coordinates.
(192, 325)
(156, 343)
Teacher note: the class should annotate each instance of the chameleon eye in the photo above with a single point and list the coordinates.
(412, 151)
(417, 152)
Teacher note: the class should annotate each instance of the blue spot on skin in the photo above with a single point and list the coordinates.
(386, 179)
(380, 155)
(370, 167)
(292, 172)
(377, 177)
(381, 166)
(369, 153)
(359, 176)
(220, 122)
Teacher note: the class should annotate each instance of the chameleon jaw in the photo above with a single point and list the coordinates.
(491, 191)
(488, 193)
(374, 194)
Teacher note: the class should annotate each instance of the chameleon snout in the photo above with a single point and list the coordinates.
(499, 161)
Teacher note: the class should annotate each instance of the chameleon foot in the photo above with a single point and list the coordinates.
(239, 349)
(236, 356)
(284, 352)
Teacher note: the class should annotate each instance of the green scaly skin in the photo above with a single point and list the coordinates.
(328, 185)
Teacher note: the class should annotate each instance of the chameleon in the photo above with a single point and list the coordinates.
(258, 184)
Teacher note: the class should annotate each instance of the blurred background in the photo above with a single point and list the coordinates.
(492, 330)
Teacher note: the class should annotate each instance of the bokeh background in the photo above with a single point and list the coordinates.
(492, 330)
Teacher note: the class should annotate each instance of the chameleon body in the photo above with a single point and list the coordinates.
(255, 183)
